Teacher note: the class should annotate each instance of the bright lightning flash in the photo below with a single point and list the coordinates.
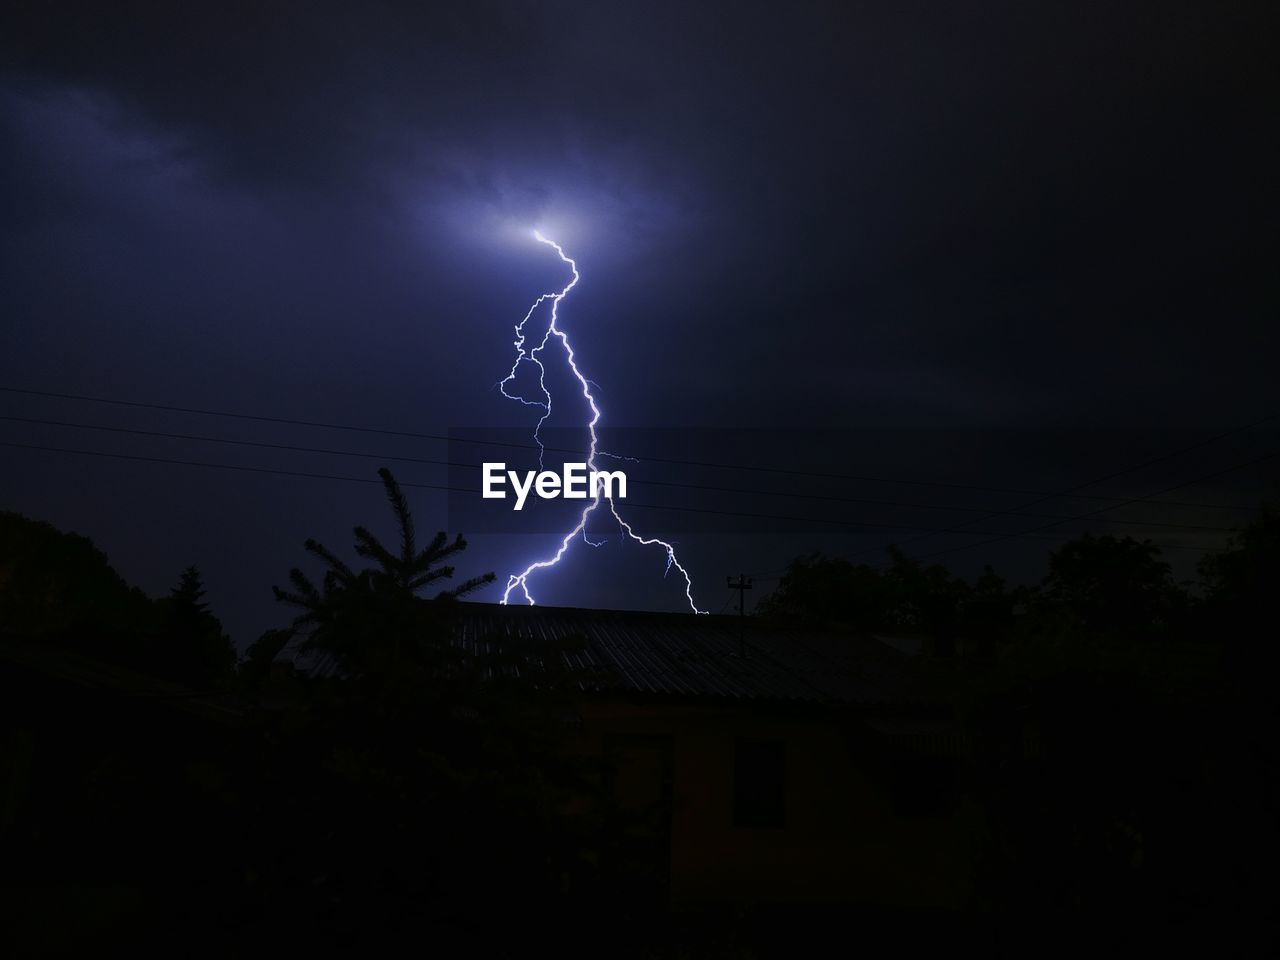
(524, 355)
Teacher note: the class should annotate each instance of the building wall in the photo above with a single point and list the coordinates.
(846, 834)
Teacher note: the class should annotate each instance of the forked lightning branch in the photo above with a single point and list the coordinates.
(530, 356)
(577, 482)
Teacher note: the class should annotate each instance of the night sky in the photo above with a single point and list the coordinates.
(1006, 245)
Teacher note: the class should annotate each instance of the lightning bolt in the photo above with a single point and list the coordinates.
(526, 355)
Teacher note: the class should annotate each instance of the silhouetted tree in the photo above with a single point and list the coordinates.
(374, 619)
(427, 766)
(1240, 608)
(928, 600)
(1110, 587)
(905, 596)
(988, 613)
(192, 646)
(1240, 582)
(822, 589)
(1116, 770)
(60, 586)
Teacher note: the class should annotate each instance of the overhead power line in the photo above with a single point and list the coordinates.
(752, 468)
(826, 521)
(1090, 515)
(958, 528)
(259, 444)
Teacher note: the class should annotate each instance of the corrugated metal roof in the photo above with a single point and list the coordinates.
(671, 654)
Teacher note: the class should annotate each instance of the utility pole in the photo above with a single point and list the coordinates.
(742, 586)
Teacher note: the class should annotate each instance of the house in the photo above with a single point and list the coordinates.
(769, 764)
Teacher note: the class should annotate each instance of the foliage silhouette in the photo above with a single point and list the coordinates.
(1111, 586)
(903, 597)
(59, 585)
(193, 648)
(1240, 605)
(1117, 770)
(428, 761)
(60, 588)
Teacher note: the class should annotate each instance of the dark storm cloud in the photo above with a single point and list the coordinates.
(291, 96)
(946, 171)
(835, 215)
(957, 196)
